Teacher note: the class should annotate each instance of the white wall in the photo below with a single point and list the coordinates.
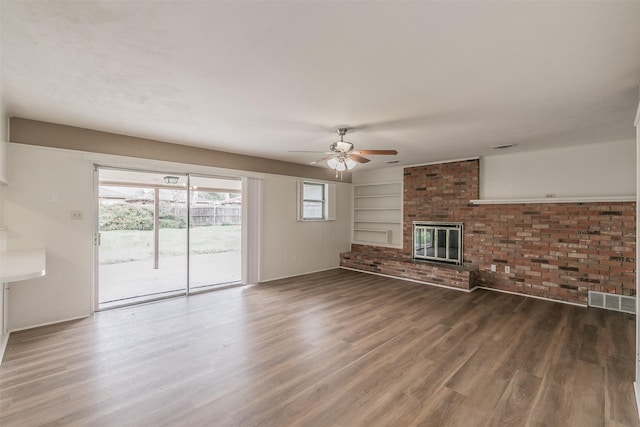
(293, 247)
(3, 178)
(4, 120)
(4, 131)
(378, 175)
(46, 184)
(3, 157)
(606, 169)
(637, 356)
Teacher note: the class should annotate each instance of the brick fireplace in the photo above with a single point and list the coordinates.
(553, 250)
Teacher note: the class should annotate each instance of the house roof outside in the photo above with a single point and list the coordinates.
(133, 194)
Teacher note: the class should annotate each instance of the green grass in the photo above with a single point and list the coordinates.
(133, 245)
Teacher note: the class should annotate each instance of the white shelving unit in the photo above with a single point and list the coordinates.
(377, 214)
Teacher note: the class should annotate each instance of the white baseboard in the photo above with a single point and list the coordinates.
(3, 345)
(464, 290)
(532, 296)
(296, 275)
(453, 288)
(49, 323)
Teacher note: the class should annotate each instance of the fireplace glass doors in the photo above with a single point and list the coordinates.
(437, 242)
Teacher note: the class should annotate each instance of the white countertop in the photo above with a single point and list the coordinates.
(22, 265)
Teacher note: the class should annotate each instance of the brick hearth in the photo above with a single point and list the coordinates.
(362, 258)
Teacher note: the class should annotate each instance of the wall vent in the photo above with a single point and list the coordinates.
(612, 302)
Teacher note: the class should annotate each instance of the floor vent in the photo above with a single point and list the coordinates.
(612, 302)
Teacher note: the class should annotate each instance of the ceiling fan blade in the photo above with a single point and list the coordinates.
(321, 160)
(359, 159)
(385, 152)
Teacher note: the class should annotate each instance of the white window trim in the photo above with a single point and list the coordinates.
(329, 201)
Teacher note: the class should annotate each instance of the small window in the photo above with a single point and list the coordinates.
(313, 200)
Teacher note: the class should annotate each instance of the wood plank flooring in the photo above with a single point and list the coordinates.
(337, 348)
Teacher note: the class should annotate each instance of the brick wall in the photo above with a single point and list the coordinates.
(554, 250)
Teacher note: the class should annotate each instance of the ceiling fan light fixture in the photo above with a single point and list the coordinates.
(342, 156)
(350, 163)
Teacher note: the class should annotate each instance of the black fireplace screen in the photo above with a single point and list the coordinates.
(438, 241)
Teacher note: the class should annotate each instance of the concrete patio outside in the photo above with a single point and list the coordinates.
(135, 281)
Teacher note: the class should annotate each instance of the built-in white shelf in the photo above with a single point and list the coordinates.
(379, 236)
(22, 265)
(378, 195)
(377, 214)
(554, 200)
(374, 222)
(372, 242)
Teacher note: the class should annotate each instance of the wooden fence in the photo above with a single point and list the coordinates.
(213, 215)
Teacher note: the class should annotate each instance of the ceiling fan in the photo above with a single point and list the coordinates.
(343, 156)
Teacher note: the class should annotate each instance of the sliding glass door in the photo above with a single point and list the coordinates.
(162, 235)
(142, 238)
(214, 233)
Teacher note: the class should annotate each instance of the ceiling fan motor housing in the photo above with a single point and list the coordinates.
(341, 147)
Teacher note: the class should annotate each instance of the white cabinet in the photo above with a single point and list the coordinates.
(377, 214)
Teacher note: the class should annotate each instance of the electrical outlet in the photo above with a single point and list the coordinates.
(507, 269)
(550, 195)
(493, 267)
(76, 215)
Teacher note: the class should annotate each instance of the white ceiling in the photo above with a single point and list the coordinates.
(434, 80)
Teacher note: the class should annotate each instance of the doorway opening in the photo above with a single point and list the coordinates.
(161, 235)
